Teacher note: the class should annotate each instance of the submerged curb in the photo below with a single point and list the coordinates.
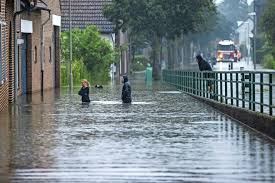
(260, 122)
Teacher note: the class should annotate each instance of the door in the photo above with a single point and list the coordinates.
(55, 58)
(24, 49)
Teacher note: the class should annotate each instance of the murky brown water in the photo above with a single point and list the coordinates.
(161, 137)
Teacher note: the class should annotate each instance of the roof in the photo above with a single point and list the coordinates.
(226, 42)
(85, 13)
(241, 23)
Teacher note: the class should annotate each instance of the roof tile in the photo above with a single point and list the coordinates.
(84, 13)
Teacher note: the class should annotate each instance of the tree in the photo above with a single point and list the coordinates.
(218, 28)
(157, 19)
(234, 10)
(268, 27)
(90, 49)
(268, 24)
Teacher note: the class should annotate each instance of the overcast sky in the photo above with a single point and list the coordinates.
(249, 1)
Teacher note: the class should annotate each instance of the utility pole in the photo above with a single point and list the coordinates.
(71, 54)
(255, 30)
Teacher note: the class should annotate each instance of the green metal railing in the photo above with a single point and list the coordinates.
(245, 89)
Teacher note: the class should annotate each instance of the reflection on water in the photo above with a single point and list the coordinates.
(120, 102)
(161, 137)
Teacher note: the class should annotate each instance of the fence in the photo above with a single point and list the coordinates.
(246, 89)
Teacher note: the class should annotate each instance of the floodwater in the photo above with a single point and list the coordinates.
(164, 136)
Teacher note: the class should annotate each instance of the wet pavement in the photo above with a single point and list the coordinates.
(164, 136)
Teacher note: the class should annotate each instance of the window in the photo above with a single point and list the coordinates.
(50, 54)
(226, 47)
(18, 76)
(4, 50)
(1, 64)
(35, 55)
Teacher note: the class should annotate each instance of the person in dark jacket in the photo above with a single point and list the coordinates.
(84, 91)
(205, 66)
(126, 91)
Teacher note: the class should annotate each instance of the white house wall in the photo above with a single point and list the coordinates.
(110, 38)
(244, 30)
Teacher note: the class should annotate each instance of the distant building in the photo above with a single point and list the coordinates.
(244, 33)
(30, 50)
(90, 12)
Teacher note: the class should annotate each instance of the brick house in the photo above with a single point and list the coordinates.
(32, 65)
(90, 12)
(6, 11)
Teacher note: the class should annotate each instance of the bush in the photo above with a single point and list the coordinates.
(92, 55)
(140, 63)
(269, 61)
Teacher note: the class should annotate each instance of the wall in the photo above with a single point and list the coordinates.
(35, 55)
(6, 89)
(50, 64)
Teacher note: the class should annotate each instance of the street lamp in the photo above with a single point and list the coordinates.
(247, 42)
(71, 54)
(254, 32)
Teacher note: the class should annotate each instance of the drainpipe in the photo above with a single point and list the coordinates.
(16, 53)
(42, 51)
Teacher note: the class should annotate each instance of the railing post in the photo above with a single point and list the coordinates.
(216, 86)
(188, 82)
(243, 91)
(207, 83)
(231, 88)
(270, 95)
(198, 84)
(225, 91)
(193, 81)
(253, 92)
(200, 78)
(250, 89)
(185, 80)
(176, 79)
(203, 85)
(221, 87)
(261, 92)
(181, 80)
(237, 89)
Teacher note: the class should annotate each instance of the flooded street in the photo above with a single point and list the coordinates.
(164, 136)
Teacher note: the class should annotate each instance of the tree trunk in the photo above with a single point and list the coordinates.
(169, 55)
(156, 57)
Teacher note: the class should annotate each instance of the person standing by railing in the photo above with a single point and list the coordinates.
(205, 66)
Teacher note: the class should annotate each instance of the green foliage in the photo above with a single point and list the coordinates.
(92, 55)
(269, 61)
(234, 10)
(140, 63)
(268, 24)
(153, 20)
(160, 17)
(218, 28)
